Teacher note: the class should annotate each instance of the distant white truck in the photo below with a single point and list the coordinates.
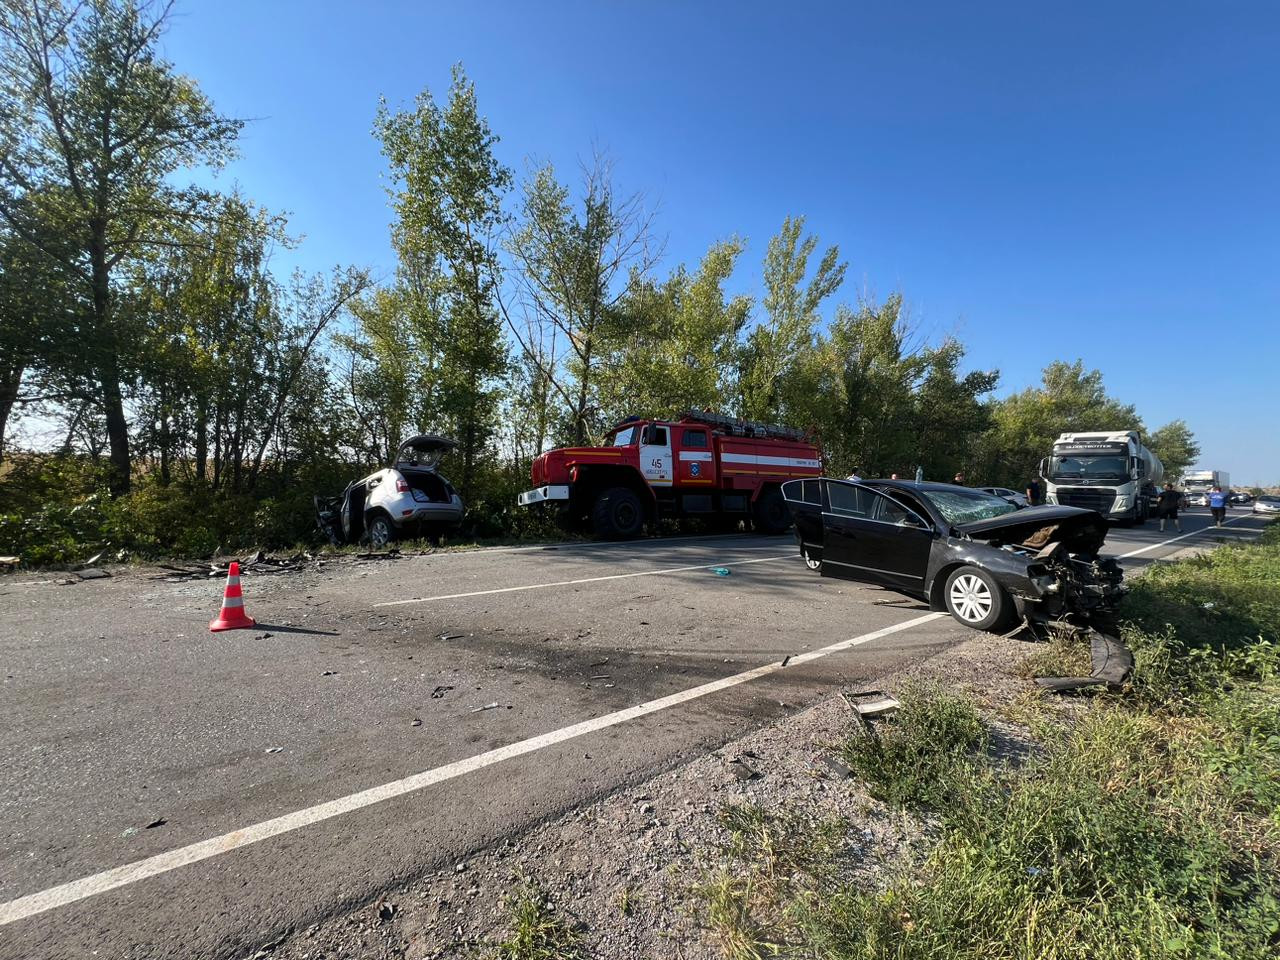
(1198, 483)
(1112, 473)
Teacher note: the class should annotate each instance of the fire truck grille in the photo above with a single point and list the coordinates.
(1087, 497)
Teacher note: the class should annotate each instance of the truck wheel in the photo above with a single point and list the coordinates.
(770, 513)
(617, 514)
(975, 599)
(381, 531)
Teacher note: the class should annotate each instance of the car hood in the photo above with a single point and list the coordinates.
(1079, 530)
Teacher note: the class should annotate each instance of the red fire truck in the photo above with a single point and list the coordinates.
(702, 465)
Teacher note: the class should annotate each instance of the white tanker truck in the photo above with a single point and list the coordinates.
(1112, 473)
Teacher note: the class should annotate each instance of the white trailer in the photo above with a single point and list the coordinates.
(1112, 473)
(1197, 482)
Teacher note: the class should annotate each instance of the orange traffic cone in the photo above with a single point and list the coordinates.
(232, 615)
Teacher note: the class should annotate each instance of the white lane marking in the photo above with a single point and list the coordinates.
(67, 893)
(571, 546)
(570, 583)
(1192, 533)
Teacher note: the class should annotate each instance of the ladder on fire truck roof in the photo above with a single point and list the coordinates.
(743, 428)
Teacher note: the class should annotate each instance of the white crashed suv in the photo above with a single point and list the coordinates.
(407, 499)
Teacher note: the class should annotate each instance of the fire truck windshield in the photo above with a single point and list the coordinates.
(625, 437)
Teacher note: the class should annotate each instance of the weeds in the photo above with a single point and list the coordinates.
(768, 862)
(537, 932)
(917, 759)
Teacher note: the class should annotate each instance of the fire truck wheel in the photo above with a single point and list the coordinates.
(618, 514)
(770, 513)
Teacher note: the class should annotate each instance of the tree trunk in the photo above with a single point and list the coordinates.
(9, 383)
(202, 443)
(109, 364)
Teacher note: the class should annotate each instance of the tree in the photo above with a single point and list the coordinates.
(774, 359)
(1176, 446)
(672, 346)
(575, 271)
(887, 402)
(447, 189)
(1025, 424)
(93, 126)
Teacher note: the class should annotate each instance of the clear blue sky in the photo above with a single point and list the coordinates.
(1092, 180)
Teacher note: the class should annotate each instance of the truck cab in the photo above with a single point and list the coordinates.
(1112, 473)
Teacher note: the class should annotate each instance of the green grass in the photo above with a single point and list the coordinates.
(768, 861)
(1146, 825)
(924, 752)
(537, 932)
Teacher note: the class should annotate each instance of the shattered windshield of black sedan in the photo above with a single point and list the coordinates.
(966, 506)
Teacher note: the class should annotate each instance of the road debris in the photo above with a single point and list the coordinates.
(387, 911)
(440, 691)
(741, 771)
(721, 571)
(871, 703)
(329, 673)
(487, 706)
(93, 573)
(836, 767)
(273, 749)
(452, 636)
(157, 822)
(786, 659)
(416, 722)
(1110, 661)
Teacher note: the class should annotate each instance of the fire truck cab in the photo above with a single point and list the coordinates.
(703, 465)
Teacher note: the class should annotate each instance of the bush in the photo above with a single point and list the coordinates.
(915, 759)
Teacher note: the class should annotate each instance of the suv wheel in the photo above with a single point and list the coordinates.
(617, 514)
(381, 531)
(976, 600)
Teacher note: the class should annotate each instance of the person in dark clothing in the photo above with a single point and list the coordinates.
(1035, 493)
(1167, 507)
(1218, 503)
(958, 480)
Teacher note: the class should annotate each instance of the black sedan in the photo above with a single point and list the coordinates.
(979, 557)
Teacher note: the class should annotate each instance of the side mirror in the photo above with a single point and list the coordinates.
(1043, 469)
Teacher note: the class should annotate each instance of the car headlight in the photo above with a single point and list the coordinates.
(1122, 503)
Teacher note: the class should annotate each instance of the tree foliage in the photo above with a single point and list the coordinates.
(93, 126)
(1176, 447)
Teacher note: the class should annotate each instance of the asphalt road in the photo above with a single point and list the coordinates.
(250, 753)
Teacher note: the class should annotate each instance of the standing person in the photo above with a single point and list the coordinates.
(893, 476)
(1035, 493)
(855, 476)
(958, 479)
(1218, 503)
(1167, 507)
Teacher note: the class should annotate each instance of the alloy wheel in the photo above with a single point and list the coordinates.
(971, 598)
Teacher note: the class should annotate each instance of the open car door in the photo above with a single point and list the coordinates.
(869, 537)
